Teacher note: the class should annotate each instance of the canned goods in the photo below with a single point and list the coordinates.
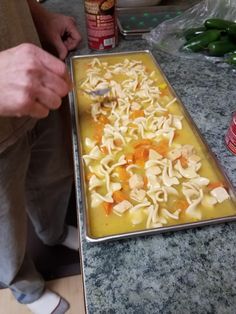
(230, 137)
(101, 24)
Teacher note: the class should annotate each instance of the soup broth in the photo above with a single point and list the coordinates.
(145, 165)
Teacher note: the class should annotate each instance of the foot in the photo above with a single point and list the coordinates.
(49, 303)
(72, 239)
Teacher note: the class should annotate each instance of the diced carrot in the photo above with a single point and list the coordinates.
(119, 196)
(143, 142)
(164, 89)
(140, 163)
(166, 114)
(103, 119)
(137, 114)
(122, 173)
(125, 186)
(141, 154)
(133, 125)
(118, 142)
(180, 204)
(213, 185)
(162, 147)
(104, 150)
(129, 158)
(145, 181)
(89, 176)
(98, 132)
(177, 134)
(183, 161)
(165, 92)
(107, 208)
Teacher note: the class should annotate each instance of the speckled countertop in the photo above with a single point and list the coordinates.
(191, 271)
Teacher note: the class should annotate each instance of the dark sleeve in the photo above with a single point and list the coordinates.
(16, 24)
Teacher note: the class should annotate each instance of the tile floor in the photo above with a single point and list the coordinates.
(71, 288)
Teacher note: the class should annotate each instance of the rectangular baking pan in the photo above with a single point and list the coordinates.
(80, 173)
(141, 20)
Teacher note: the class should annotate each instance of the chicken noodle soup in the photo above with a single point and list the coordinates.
(145, 166)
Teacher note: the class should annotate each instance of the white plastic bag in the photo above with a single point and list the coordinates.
(168, 36)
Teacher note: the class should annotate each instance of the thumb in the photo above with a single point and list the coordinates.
(60, 48)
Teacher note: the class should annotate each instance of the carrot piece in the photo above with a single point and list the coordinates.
(213, 185)
(143, 142)
(119, 196)
(141, 154)
(103, 119)
(183, 161)
(145, 181)
(118, 142)
(162, 147)
(177, 134)
(180, 204)
(137, 114)
(107, 208)
(122, 173)
(140, 163)
(166, 114)
(165, 92)
(133, 125)
(129, 158)
(98, 132)
(125, 186)
(88, 176)
(104, 150)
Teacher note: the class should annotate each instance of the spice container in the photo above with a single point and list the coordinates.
(230, 137)
(101, 24)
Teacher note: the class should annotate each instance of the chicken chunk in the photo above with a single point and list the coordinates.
(122, 207)
(136, 181)
(220, 194)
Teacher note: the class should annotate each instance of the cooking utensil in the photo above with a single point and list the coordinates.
(97, 92)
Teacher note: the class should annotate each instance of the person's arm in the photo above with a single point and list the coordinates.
(58, 33)
(32, 82)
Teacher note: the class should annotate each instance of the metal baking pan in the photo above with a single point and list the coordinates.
(81, 191)
(134, 22)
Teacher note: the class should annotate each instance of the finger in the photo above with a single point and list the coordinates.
(55, 83)
(70, 43)
(38, 111)
(73, 38)
(48, 98)
(60, 47)
(52, 63)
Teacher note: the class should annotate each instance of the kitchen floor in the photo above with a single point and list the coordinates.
(71, 288)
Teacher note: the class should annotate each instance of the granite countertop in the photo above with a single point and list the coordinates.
(191, 271)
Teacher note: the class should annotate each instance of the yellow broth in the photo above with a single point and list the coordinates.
(101, 224)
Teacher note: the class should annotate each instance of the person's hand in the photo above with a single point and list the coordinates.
(58, 33)
(32, 82)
